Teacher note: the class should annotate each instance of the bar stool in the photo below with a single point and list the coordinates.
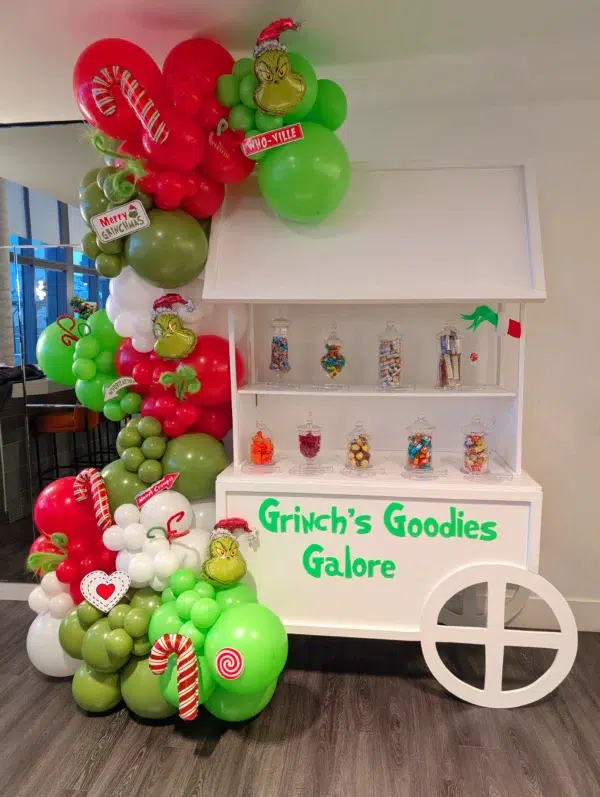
(78, 420)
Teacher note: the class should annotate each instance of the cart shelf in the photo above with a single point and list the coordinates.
(264, 388)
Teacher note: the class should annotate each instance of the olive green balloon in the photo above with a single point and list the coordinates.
(248, 85)
(92, 202)
(237, 708)
(119, 643)
(154, 447)
(129, 436)
(103, 330)
(94, 650)
(111, 247)
(146, 598)
(331, 107)
(229, 597)
(301, 65)
(228, 90)
(131, 402)
(141, 691)
(88, 178)
(168, 682)
(132, 458)
(104, 172)
(150, 471)
(84, 368)
(88, 614)
(54, 356)
(171, 252)
(306, 181)
(89, 245)
(137, 621)
(198, 459)
(142, 645)
(121, 485)
(265, 121)
(149, 427)
(241, 118)
(70, 634)
(90, 392)
(116, 616)
(109, 266)
(243, 67)
(146, 200)
(95, 691)
(165, 620)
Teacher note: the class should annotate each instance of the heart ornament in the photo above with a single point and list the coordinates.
(104, 591)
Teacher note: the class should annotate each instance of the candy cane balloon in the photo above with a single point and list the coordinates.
(187, 670)
(90, 482)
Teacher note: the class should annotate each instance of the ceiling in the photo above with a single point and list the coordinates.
(41, 39)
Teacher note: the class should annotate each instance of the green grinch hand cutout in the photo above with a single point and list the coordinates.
(184, 380)
(173, 340)
(504, 325)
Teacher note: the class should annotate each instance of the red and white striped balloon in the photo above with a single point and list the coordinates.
(188, 685)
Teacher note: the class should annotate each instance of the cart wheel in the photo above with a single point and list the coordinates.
(466, 607)
(495, 637)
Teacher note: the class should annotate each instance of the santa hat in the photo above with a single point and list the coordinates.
(227, 527)
(268, 38)
(167, 304)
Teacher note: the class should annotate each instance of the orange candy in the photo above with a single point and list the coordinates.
(261, 449)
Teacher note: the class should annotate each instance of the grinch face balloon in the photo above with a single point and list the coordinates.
(279, 89)
(225, 565)
(173, 340)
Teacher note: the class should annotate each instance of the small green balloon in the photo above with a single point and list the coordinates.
(141, 691)
(165, 620)
(95, 691)
(133, 423)
(257, 155)
(111, 247)
(92, 202)
(150, 471)
(90, 392)
(105, 363)
(303, 67)
(137, 622)
(87, 347)
(149, 427)
(248, 85)
(70, 634)
(121, 485)
(88, 177)
(129, 437)
(185, 602)
(89, 246)
(205, 589)
(168, 682)
(198, 458)
(132, 458)
(83, 368)
(112, 410)
(331, 107)
(189, 629)
(182, 580)
(88, 614)
(168, 595)
(204, 612)
(146, 598)
(241, 118)
(117, 615)
(94, 648)
(237, 708)
(228, 90)
(103, 174)
(146, 200)
(131, 403)
(142, 645)
(119, 643)
(154, 447)
(54, 356)
(265, 122)
(235, 596)
(103, 330)
(243, 67)
(109, 266)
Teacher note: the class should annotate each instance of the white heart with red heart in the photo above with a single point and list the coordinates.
(104, 591)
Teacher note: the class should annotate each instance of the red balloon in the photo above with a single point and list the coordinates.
(210, 359)
(107, 560)
(76, 593)
(66, 571)
(142, 373)
(100, 87)
(224, 160)
(182, 150)
(215, 421)
(165, 406)
(207, 199)
(168, 191)
(148, 407)
(185, 96)
(78, 549)
(126, 358)
(201, 61)
(56, 510)
(174, 428)
(187, 413)
(211, 113)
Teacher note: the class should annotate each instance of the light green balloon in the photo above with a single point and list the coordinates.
(243, 67)
(94, 649)
(95, 691)
(306, 181)
(182, 580)
(103, 330)
(259, 636)
(168, 595)
(55, 351)
(168, 682)
(131, 403)
(71, 633)
(331, 107)
(171, 252)
(141, 691)
(241, 118)
(205, 611)
(121, 486)
(229, 597)
(265, 121)
(105, 363)
(228, 90)
(87, 347)
(301, 65)
(165, 620)
(237, 708)
(113, 411)
(198, 458)
(189, 630)
(257, 155)
(185, 602)
(84, 368)
(205, 589)
(248, 85)
(90, 392)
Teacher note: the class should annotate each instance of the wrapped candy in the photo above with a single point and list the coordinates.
(358, 453)
(390, 358)
(476, 457)
(449, 359)
(419, 452)
(280, 362)
(333, 361)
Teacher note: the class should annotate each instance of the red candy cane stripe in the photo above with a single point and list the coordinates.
(188, 686)
(229, 663)
(142, 106)
(90, 482)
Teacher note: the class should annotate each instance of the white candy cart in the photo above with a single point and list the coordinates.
(381, 555)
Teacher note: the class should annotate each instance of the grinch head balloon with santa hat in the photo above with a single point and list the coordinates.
(225, 565)
(279, 89)
(173, 340)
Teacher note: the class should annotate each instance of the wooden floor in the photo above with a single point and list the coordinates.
(349, 719)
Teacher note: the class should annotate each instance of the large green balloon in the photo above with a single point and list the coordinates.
(165, 620)
(236, 708)
(92, 202)
(103, 331)
(170, 252)
(259, 636)
(55, 350)
(93, 648)
(71, 633)
(90, 392)
(141, 692)
(95, 691)
(168, 682)
(235, 596)
(305, 181)
(198, 458)
(305, 68)
(330, 107)
(121, 486)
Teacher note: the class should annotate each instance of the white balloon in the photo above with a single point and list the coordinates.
(143, 325)
(158, 584)
(113, 538)
(134, 536)
(44, 649)
(113, 309)
(155, 546)
(165, 563)
(124, 557)
(191, 549)
(205, 513)
(38, 600)
(52, 586)
(141, 570)
(60, 605)
(142, 343)
(124, 325)
(163, 507)
(126, 514)
(120, 283)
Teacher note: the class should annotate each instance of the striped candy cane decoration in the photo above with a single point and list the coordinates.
(90, 482)
(142, 106)
(188, 686)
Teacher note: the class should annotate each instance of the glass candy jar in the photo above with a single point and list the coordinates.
(262, 448)
(449, 357)
(389, 363)
(309, 440)
(333, 361)
(419, 451)
(476, 456)
(358, 452)
(280, 362)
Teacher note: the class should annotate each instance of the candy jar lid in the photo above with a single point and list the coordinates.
(390, 332)
(281, 321)
(310, 427)
(420, 426)
(476, 426)
(261, 427)
(333, 339)
(449, 329)
(358, 431)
